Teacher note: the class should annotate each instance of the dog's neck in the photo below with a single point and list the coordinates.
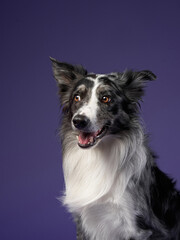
(102, 173)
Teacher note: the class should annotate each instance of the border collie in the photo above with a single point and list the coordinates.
(113, 186)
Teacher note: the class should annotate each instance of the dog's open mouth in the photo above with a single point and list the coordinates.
(89, 139)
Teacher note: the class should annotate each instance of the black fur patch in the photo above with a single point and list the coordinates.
(165, 200)
(86, 82)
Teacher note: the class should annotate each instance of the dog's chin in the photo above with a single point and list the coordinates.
(90, 139)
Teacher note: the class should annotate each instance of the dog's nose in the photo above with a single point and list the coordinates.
(80, 121)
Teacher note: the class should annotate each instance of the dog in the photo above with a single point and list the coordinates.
(113, 186)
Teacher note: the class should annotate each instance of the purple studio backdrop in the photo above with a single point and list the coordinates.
(103, 36)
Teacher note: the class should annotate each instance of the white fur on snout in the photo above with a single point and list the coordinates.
(90, 109)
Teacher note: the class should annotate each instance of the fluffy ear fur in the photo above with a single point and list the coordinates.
(65, 75)
(134, 83)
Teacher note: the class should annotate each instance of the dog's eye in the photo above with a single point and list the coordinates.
(77, 98)
(105, 99)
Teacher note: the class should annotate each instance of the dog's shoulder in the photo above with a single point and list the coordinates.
(165, 200)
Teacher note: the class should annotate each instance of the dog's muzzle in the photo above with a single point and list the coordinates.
(81, 122)
(86, 137)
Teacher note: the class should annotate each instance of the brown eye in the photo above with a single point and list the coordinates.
(106, 99)
(77, 98)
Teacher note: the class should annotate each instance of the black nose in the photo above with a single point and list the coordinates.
(80, 121)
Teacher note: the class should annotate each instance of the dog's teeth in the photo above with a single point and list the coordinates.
(77, 137)
(91, 139)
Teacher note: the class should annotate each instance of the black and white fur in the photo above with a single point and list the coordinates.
(113, 186)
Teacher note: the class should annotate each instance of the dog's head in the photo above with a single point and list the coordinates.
(99, 104)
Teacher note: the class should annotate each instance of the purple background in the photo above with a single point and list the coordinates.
(104, 37)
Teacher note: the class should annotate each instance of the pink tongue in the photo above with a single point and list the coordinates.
(85, 138)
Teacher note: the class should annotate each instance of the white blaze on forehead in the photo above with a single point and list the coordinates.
(96, 78)
(90, 109)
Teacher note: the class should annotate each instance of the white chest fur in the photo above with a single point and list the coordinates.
(107, 220)
(96, 188)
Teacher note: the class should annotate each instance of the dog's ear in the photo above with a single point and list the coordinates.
(66, 75)
(134, 83)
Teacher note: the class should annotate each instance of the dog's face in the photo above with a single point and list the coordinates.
(99, 104)
(94, 108)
